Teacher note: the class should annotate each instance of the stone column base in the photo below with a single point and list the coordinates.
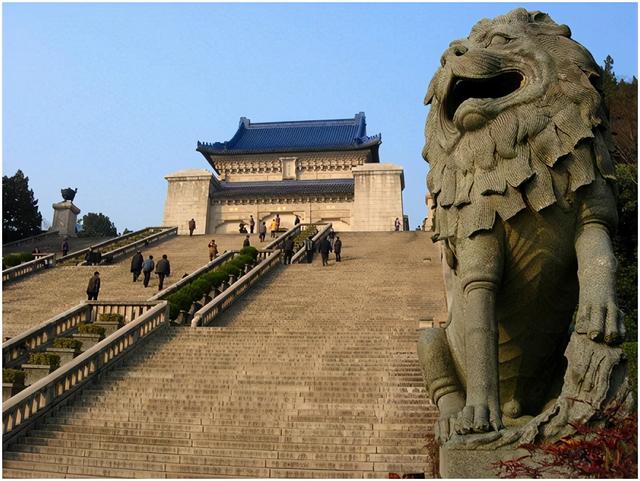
(474, 463)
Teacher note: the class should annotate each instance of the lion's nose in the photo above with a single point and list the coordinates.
(456, 50)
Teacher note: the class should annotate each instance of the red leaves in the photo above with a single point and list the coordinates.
(607, 450)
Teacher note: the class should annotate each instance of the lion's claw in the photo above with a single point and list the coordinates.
(477, 419)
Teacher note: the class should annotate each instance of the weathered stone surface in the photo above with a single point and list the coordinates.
(522, 184)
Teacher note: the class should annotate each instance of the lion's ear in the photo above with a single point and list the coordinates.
(430, 92)
(547, 26)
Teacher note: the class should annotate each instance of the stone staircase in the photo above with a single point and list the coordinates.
(31, 301)
(313, 373)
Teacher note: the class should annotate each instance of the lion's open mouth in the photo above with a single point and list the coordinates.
(489, 88)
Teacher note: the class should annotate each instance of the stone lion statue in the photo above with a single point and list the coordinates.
(523, 185)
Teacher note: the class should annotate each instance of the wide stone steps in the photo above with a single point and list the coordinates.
(313, 374)
(63, 287)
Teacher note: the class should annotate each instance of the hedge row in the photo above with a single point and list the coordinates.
(13, 376)
(15, 259)
(182, 299)
(298, 241)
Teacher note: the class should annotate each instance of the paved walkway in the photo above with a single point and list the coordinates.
(39, 297)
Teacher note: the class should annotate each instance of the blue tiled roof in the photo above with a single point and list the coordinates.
(237, 190)
(307, 135)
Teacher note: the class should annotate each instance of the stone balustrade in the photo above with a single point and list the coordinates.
(129, 248)
(26, 268)
(80, 254)
(22, 410)
(32, 239)
(221, 302)
(321, 234)
(14, 351)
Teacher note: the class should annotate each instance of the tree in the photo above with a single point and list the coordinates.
(97, 225)
(20, 215)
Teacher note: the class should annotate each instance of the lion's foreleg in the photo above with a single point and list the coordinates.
(480, 271)
(598, 313)
(441, 379)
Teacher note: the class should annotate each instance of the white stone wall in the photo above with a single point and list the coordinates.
(377, 197)
(188, 197)
(226, 217)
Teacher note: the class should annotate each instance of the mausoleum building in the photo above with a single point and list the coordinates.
(319, 170)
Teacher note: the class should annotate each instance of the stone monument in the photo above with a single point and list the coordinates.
(522, 181)
(65, 214)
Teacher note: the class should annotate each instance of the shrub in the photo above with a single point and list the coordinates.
(609, 450)
(44, 358)
(67, 343)
(25, 256)
(13, 376)
(252, 251)
(112, 317)
(205, 282)
(87, 328)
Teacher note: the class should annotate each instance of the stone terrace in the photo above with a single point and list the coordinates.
(39, 297)
(314, 373)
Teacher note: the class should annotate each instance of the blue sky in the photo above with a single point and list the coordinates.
(110, 98)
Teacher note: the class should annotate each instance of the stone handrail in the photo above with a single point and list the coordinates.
(321, 234)
(227, 255)
(26, 268)
(277, 243)
(81, 253)
(15, 349)
(124, 250)
(22, 410)
(33, 238)
(220, 303)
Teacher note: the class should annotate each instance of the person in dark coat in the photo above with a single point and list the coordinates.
(337, 248)
(163, 269)
(262, 230)
(93, 288)
(287, 247)
(324, 248)
(308, 248)
(252, 223)
(147, 269)
(246, 242)
(136, 265)
(192, 226)
(65, 247)
(297, 221)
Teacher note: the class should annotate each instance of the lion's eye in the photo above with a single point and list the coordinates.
(498, 40)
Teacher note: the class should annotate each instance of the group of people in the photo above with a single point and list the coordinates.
(274, 227)
(331, 243)
(140, 265)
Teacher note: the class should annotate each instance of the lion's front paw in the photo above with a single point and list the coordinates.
(601, 321)
(478, 418)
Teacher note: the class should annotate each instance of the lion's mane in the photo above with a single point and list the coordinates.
(509, 164)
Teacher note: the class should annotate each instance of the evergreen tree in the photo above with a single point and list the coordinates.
(97, 225)
(20, 215)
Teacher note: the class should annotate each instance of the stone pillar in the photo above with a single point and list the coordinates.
(428, 221)
(377, 197)
(188, 197)
(65, 216)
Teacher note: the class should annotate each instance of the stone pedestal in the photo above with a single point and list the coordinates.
(65, 216)
(377, 197)
(474, 463)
